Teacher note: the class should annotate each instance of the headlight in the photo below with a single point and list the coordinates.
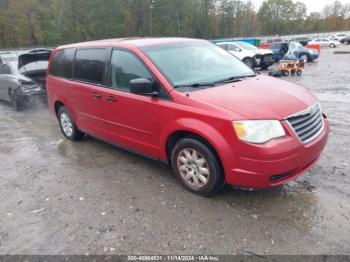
(258, 131)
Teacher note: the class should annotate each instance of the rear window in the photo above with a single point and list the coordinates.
(90, 65)
(62, 64)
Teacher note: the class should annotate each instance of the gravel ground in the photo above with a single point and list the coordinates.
(89, 197)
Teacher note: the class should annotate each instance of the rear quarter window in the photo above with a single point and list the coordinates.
(62, 63)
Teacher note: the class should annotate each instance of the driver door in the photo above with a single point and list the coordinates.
(132, 118)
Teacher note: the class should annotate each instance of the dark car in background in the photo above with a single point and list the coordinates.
(23, 79)
(345, 40)
(293, 50)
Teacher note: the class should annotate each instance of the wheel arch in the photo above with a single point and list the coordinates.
(57, 105)
(174, 137)
(62, 102)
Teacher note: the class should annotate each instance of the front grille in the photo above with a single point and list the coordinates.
(258, 59)
(307, 124)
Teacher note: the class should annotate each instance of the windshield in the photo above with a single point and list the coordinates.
(196, 62)
(246, 46)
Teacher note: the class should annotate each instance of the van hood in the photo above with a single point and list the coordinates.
(261, 97)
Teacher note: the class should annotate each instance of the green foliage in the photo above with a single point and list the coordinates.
(54, 22)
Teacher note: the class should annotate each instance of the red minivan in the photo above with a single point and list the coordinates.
(191, 104)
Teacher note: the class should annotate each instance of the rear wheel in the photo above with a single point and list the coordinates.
(68, 126)
(299, 72)
(249, 62)
(196, 167)
(332, 45)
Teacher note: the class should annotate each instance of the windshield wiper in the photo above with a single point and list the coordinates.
(233, 79)
(194, 85)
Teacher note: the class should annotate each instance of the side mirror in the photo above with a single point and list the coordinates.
(238, 49)
(142, 86)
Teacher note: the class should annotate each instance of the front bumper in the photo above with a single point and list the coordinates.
(280, 161)
(263, 60)
(314, 56)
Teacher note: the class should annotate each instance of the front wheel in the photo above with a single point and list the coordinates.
(68, 126)
(249, 62)
(332, 45)
(196, 167)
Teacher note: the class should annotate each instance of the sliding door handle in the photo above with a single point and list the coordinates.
(111, 99)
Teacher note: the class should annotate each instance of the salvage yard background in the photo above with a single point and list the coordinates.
(60, 197)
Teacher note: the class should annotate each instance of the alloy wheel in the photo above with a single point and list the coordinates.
(66, 124)
(193, 168)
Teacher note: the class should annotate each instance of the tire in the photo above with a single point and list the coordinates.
(299, 72)
(304, 57)
(332, 45)
(292, 72)
(249, 62)
(285, 73)
(203, 176)
(15, 100)
(68, 126)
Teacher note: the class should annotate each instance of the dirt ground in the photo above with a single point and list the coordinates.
(60, 197)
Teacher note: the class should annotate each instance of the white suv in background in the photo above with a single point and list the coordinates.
(325, 42)
(249, 54)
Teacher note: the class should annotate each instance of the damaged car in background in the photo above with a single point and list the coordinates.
(249, 54)
(293, 50)
(22, 80)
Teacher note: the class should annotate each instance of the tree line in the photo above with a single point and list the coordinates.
(54, 22)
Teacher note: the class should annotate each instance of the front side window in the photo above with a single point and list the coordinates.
(232, 47)
(195, 62)
(223, 46)
(62, 63)
(90, 65)
(124, 68)
(246, 46)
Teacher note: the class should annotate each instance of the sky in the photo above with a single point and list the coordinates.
(312, 5)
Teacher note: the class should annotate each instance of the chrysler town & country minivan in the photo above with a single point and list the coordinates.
(191, 104)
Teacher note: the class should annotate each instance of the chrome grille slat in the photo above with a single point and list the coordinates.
(307, 124)
(300, 118)
(308, 135)
(297, 127)
(309, 128)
